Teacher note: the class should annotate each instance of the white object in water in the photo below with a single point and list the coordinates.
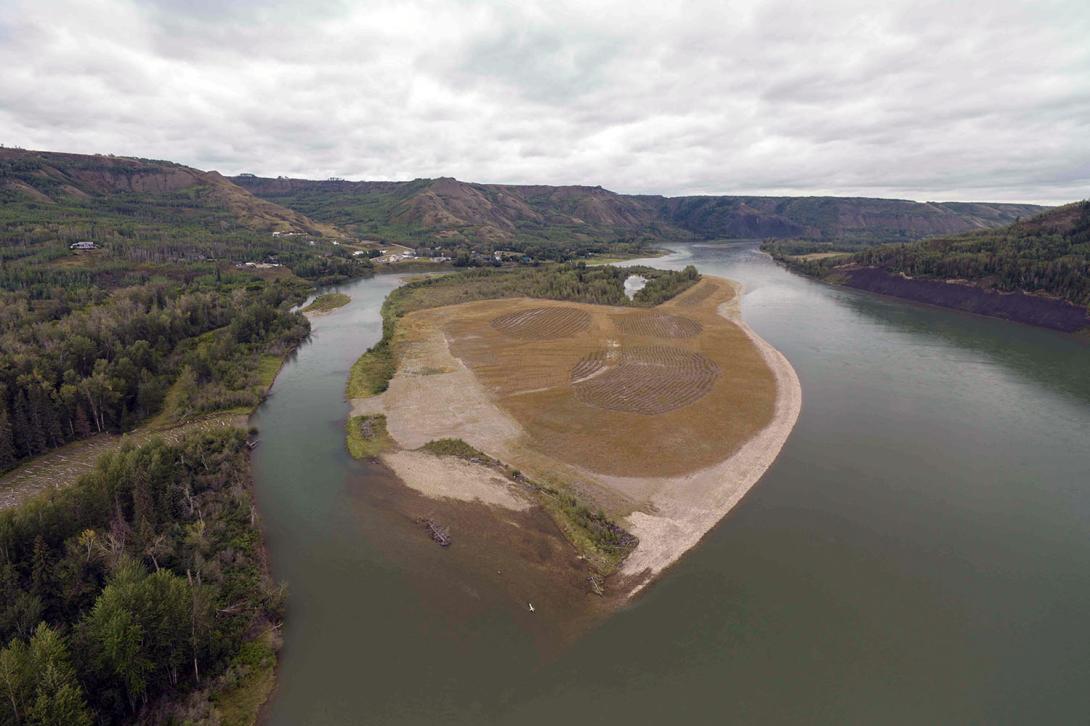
(531, 607)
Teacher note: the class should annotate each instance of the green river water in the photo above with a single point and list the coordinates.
(918, 554)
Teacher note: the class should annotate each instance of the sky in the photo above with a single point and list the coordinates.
(981, 101)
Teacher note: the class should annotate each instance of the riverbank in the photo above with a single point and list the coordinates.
(1018, 307)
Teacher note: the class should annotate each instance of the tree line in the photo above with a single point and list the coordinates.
(137, 585)
(109, 366)
(572, 281)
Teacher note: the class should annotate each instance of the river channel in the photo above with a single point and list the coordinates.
(919, 553)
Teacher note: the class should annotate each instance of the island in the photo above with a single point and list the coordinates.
(326, 303)
(637, 425)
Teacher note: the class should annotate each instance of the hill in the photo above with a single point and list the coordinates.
(532, 218)
(1035, 271)
(143, 212)
(107, 183)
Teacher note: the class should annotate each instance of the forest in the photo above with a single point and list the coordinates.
(1048, 254)
(110, 366)
(140, 584)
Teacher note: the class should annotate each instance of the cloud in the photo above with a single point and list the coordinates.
(924, 100)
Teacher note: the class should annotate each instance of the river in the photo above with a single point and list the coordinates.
(919, 553)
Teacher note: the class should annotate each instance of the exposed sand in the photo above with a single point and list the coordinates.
(686, 508)
(452, 478)
(435, 395)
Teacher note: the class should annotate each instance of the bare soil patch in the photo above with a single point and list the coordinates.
(451, 478)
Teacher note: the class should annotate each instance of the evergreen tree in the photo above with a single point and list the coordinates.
(39, 442)
(80, 423)
(21, 426)
(59, 700)
(41, 572)
(7, 444)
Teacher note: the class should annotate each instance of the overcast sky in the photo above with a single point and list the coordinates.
(924, 100)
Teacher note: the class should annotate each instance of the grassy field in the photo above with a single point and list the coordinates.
(327, 302)
(821, 255)
(636, 393)
(62, 466)
(608, 259)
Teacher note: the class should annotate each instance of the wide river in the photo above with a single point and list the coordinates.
(919, 553)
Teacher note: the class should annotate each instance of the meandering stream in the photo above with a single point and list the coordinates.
(919, 553)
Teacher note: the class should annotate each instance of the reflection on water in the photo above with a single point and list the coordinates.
(917, 554)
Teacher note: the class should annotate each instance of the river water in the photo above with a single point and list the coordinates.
(919, 553)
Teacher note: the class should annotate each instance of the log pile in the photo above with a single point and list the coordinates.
(437, 532)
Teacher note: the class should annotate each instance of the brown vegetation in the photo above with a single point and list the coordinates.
(542, 323)
(657, 325)
(650, 379)
(616, 398)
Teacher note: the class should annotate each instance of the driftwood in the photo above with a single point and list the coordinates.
(438, 532)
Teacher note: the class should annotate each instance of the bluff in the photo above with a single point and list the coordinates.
(497, 214)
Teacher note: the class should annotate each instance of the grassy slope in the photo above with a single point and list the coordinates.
(487, 216)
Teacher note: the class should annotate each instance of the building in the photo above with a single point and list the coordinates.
(82, 246)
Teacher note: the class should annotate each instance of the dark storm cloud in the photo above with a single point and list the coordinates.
(971, 100)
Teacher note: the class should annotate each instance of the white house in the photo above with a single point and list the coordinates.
(82, 246)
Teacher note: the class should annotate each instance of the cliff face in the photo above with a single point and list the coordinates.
(1017, 306)
(494, 212)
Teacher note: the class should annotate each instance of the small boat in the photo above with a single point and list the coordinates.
(531, 607)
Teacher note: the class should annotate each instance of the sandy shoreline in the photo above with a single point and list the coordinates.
(452, 478)
(679, 523)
